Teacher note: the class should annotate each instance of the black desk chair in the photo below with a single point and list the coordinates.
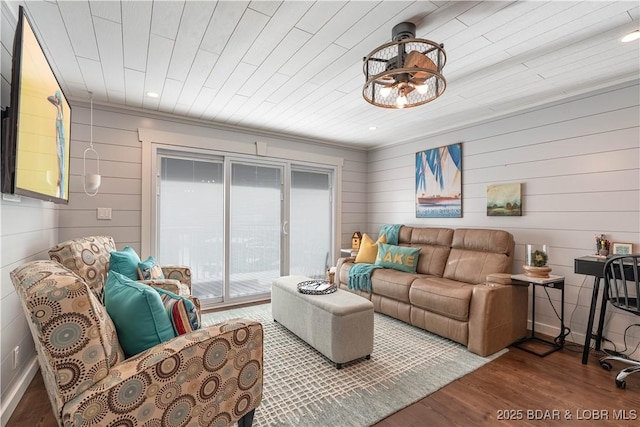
(622, 290)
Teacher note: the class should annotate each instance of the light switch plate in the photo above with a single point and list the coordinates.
(104, 213)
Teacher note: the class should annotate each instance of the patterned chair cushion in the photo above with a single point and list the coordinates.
(71, 329)
(88, 257)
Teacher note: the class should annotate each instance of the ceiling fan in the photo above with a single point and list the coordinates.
(405, 72)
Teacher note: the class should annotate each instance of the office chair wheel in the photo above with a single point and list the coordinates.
(621, 384)
(606, 365)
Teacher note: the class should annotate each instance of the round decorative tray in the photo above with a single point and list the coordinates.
(316, 287)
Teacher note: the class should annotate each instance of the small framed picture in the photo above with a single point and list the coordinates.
(621, 248)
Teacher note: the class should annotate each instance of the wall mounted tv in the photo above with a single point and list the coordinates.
(36, 127)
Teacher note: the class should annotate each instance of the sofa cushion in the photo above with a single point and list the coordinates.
(403, 258)
(369, 249)
(149, 269)
(392, 284)
(434, 244)
(477, 253)
(138, 313)
(442, 296)
(125, 262)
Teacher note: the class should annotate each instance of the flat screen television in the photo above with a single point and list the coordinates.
(37, 125)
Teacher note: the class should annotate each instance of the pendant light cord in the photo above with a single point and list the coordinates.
(84, 157)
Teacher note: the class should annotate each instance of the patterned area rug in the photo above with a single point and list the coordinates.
(303, 388)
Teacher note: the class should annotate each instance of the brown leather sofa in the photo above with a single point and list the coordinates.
(449, 294)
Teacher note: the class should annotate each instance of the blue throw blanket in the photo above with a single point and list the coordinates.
(392, 231)
(360, 276)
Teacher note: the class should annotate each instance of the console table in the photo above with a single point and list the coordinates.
(593, 265)
(555, 282)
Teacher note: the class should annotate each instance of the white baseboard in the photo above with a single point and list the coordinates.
(13, 395)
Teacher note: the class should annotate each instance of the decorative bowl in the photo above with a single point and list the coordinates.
(532, 271)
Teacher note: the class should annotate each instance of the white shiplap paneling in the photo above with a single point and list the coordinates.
(579, 163)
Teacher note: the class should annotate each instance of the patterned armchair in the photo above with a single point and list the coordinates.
(88, 257)
(209, 377)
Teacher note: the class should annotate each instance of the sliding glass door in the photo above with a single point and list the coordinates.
(311, 223)
(190, 224)
(255, 223)
(239, 223)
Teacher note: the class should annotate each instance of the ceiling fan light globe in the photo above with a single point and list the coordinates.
(385, 91)
(401, 101)
(422, 89)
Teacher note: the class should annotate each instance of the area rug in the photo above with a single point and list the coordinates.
(302, 388)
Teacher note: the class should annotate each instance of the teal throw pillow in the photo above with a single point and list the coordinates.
(137, 312)
(150, 270)
(125, 262)
(181, 310)
(403, 258)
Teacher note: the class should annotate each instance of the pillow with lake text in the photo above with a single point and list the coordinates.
(403, 258)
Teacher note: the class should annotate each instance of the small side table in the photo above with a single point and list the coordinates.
(555, 282)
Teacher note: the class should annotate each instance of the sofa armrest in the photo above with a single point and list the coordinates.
(497, 317)
(339, 264)
(178, 272)
(203, 378)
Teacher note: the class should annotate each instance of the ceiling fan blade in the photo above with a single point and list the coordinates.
(417, 60)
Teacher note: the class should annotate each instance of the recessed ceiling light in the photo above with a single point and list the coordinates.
(152, 95)
(634, 35)
(372, 128)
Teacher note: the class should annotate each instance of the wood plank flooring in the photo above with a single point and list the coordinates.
(518, 389)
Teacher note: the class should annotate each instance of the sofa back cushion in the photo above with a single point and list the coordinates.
(88, 257)
(475, 253)
(434, 244)
(74, 337)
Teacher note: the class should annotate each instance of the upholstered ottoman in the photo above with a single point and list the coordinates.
(339, 325)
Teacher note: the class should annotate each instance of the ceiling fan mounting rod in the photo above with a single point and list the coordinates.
(403, 30)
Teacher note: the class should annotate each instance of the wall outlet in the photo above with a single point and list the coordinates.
(104, 213)
(16, 357)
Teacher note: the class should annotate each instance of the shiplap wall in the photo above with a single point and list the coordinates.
(28, 228)
(579, 164)
(115, 138)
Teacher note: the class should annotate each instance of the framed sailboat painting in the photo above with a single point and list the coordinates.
(439, 182)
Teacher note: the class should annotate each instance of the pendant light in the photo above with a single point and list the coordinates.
(91, 182)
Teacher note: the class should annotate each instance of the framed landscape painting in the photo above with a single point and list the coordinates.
(504, 199)
(439, 182)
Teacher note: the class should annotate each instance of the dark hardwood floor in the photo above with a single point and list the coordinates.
(517, 389)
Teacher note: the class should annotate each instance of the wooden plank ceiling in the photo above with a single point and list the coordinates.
(295, 67)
